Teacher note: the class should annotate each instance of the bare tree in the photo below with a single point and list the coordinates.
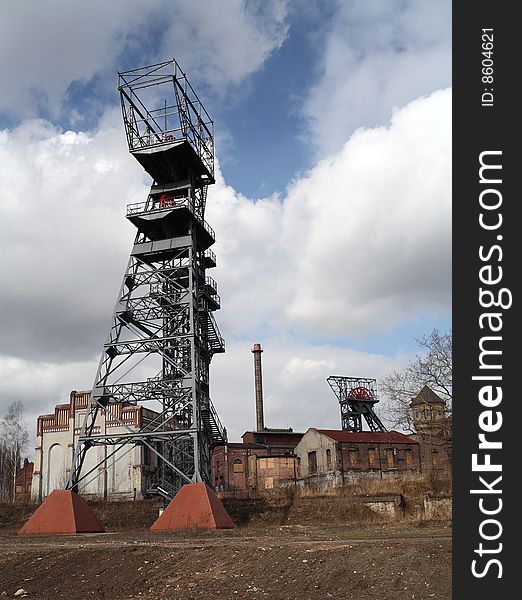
(5, 477)
(433, 367)
(14, 438)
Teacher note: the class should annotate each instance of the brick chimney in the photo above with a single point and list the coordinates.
(258, 376)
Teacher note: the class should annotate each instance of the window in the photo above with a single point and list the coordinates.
(312, 462)
(373, 461)
(237, 466)
(266, 463)
(328, 458)
(269, 483)
(435, 462)
(408, 458)
(390, 458)
(353, 457)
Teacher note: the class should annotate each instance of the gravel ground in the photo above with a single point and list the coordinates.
(373, 562)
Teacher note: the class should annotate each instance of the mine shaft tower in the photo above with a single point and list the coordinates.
(357, 397)
(163, 333)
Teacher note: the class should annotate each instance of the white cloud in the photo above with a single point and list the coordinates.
(305, 369)
(47, 46)
(63, 236)
(40, 385)
(359, 245)
(376, 55)
(224, 42)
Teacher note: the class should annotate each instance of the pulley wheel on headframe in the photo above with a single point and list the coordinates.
(360, 393)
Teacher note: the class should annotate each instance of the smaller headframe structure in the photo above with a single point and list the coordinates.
(357, 397)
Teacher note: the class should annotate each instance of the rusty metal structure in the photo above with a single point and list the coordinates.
(357, 397)
(163, 334)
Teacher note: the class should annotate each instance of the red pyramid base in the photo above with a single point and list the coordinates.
(195, 506)
(62, 511)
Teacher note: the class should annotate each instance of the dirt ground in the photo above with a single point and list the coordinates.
(364, 562)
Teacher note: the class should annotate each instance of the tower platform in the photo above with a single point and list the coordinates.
(172, 161)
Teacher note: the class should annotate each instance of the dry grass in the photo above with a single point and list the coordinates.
(407, 486)
(297, 506)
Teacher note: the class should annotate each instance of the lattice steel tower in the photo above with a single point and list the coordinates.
(163, 332)
(357, 397)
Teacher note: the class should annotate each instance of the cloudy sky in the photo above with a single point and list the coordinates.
(331, 207)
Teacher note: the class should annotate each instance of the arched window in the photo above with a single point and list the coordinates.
(237, 466)
(435, 461)
(373, 461)
(56, 477)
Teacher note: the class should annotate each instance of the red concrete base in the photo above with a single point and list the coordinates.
(195, 506)
(62, 511)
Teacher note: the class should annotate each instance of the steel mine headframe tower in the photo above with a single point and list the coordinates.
(357, 397)
(163, 333)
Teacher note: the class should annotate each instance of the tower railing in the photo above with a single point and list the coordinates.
(154, 207)
(182, 117)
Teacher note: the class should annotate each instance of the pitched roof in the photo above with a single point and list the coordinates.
(427, 396)
(367, 436)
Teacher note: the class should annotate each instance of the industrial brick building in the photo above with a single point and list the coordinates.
(124, 475)
(263, 462)
(325, 457)
(23, 482)
(344, 455)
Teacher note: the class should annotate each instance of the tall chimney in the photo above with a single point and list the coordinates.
(260, 422)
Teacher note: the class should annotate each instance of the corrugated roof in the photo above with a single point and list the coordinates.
(367, 436)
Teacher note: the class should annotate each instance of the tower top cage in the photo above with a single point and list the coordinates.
(357, 397)
(165, 122)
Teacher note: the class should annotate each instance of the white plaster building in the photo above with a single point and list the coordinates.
(125, 475)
